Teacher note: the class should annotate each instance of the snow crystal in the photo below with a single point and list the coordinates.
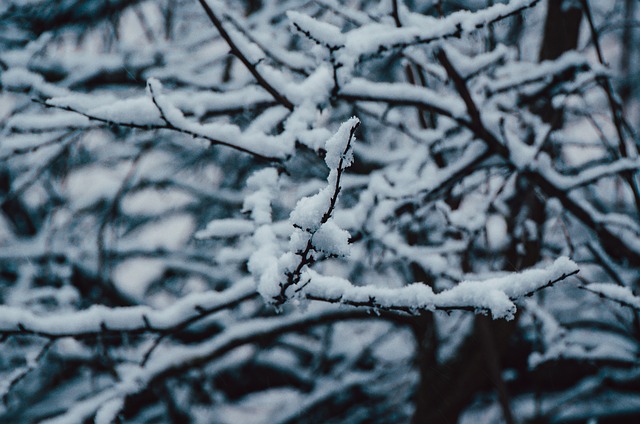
(620, 294)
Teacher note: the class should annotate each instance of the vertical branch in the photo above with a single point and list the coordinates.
(168, 19)
(626, 88)
(615, 107)
(493, 363)
(408, 70)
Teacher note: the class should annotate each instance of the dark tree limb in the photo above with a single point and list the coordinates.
(279, 97)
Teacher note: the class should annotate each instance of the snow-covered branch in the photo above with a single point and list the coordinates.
(99, 320)
(157, 112)
(494, 296)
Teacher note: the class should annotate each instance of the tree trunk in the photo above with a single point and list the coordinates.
(561, 29)
(447, 388)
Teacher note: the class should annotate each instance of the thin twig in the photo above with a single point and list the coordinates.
(279, 97)
(614, 105)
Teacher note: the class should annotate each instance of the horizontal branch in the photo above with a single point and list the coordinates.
(494, 296)
(101, 320)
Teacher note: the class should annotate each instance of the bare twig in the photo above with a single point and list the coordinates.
(252, 67)
(614, 105)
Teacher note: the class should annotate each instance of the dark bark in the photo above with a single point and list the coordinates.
(561, 29)
(453, 384)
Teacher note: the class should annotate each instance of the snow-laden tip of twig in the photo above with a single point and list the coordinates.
(622, 295)
(339, 153)
(495, 296)
(157, 111)
(322, 33)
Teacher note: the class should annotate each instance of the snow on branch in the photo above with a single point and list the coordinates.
(315, 233)
(156, 111)
(551, 72)
(560, 344)
(173, 360)
(618, 294)
(495, 296)
(585, 176)
(521, 156)
(402, 94)
(136, 319)
(317, 236)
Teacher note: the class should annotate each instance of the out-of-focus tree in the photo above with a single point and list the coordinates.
(322, 211)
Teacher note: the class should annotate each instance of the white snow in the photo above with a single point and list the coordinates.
(226, 228)
(622, 295)
(494, 295)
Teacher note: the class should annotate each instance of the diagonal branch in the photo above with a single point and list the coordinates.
(279, 97)
(614, 105)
